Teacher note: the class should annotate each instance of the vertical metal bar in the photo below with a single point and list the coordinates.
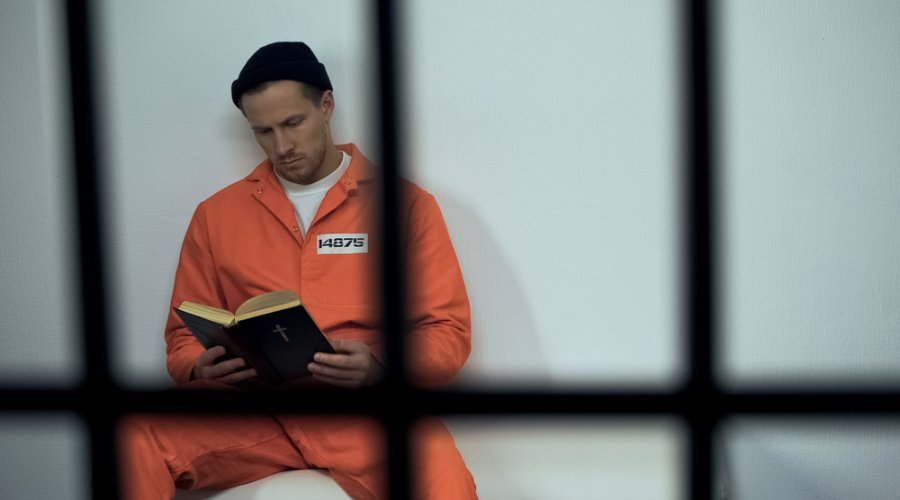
(393, 274)
(699, 192)
(95, 328)
(700, 240)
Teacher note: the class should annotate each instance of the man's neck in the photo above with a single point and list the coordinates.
(332, 160)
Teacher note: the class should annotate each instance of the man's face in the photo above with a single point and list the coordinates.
(292, 130)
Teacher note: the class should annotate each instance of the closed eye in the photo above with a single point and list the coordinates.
(293, 120)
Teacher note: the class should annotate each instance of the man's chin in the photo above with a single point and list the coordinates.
(296, 173)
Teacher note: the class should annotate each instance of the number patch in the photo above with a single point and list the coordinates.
(343, 243)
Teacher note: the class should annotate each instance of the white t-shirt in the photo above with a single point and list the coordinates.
(306, 198)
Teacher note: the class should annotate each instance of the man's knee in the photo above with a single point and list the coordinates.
(136, 437)
(439, 471)
(142, 466)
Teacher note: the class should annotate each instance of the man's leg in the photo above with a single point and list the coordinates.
(439, 471)
(353, 450)
(350, 447)
(162, 452)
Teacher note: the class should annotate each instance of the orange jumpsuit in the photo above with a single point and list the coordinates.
(245, 240)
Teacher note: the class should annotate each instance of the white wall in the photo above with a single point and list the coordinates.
(37, 254)
(813, 458)
(573, 458)
(43, 455)
(811, 191)
(811, 276)
(548, 136)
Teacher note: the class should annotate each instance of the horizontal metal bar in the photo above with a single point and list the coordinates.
(382, 402)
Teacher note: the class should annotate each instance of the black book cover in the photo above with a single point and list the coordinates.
(209, 333)
(279, 345)
(287, 339)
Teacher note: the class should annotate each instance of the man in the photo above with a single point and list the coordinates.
(268, 232)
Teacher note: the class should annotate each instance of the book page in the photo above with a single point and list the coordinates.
(266, 303)
(213, 314)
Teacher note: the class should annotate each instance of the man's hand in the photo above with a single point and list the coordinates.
(351, 366)
(228, 371)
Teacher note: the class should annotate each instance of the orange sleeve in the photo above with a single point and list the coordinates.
(196, 281)
(438, 305)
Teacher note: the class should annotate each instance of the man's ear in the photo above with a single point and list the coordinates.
(327, 104)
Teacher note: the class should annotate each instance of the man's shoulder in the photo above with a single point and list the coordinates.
(418, 205)
(414, 193)
(362, 169)
(239, 190)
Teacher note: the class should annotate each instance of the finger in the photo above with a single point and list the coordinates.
(208, 356)
(334, 373)
(239, 376)
(224, 368)
(345, 361)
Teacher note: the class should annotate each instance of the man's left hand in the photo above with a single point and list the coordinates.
(351, 366)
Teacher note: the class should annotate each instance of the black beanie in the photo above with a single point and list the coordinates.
(280, 61)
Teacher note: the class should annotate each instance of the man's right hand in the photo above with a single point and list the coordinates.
(229, 371)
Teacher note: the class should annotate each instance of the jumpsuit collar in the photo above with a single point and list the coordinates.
(268, 191)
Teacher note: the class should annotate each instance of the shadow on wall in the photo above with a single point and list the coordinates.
(506, 349)
(247, 153)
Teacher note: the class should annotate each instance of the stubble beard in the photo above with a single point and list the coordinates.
(306, 169)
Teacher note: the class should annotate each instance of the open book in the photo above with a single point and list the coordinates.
(273, 332)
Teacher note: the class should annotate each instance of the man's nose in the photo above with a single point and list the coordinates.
(283, 144)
